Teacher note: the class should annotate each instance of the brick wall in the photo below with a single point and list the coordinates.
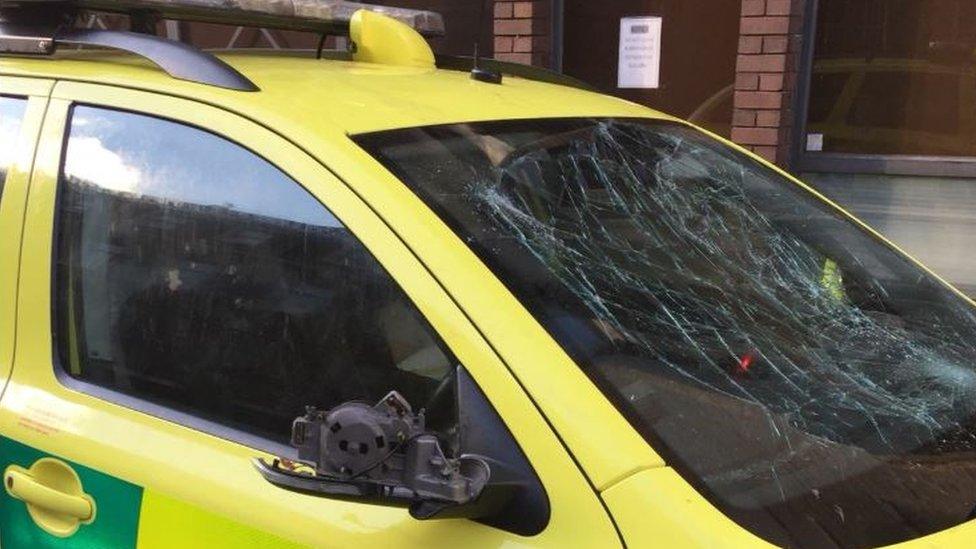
(523, 32)
(765, 78)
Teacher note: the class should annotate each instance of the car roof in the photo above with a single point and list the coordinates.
(353, 97)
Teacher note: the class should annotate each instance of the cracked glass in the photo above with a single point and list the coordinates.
(813, 382)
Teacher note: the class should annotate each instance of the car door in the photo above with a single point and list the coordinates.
(190, 281)
(22, 103)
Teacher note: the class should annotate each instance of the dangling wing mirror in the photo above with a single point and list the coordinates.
(378, 452)
(384, 454)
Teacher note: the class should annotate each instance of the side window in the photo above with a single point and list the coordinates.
(11, 115)
(194, 274)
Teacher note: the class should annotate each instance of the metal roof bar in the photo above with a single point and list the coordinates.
(177, 59)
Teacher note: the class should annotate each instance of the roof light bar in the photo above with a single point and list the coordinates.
(322, 16)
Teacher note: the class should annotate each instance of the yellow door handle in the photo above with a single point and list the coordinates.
(22, 486)
(53, 494)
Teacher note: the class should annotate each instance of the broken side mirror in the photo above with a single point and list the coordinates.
(384, 454)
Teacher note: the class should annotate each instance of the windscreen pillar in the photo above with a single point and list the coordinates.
(523, 32)
(770, 43)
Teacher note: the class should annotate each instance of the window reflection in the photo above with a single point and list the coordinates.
(150, 157)
(11, 114)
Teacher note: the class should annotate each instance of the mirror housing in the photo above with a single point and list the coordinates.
(384, 455)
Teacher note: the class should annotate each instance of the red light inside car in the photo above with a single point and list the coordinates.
(745, 362)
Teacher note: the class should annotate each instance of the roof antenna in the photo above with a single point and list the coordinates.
(318, 50)
(477, 72)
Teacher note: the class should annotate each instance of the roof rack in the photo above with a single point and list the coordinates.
(38, 27)
(319, 16)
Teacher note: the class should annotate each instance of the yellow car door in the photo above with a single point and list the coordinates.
(189, 282)
(22, 103)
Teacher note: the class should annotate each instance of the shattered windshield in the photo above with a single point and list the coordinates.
(815, 384)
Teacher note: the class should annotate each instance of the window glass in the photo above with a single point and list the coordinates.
(884, 97)
(912, 71)
(196, 275)
(816, 384)
(826, 89)
(11, 116)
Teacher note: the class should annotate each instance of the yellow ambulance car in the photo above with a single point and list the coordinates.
(380, 298)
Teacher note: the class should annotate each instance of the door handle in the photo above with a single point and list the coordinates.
(21, 485)
(53, 494)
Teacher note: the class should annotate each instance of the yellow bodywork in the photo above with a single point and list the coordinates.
(202, 490)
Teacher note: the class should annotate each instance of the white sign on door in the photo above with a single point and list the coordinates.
(640, 52)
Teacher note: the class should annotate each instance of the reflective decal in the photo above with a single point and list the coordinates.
(197, 527)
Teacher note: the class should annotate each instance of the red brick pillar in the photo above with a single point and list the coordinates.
(523, 32)
(765, 76)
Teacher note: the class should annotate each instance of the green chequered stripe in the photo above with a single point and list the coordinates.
(116, 521)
